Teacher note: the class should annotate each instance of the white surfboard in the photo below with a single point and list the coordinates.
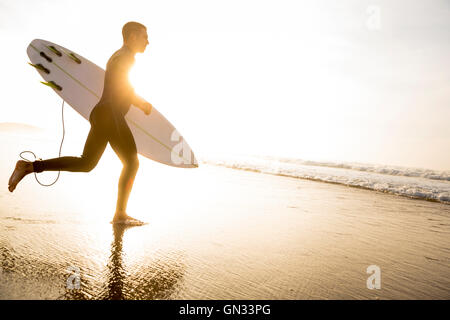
(80, 83)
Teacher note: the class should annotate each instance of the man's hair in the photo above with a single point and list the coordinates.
(130, 28)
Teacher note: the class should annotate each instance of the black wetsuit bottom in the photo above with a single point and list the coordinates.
(106, 126)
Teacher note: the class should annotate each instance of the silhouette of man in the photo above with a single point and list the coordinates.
(108, 124)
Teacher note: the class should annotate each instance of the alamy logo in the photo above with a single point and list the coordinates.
(181, 152)
(374, 281)
(74, 281)
(373, 21)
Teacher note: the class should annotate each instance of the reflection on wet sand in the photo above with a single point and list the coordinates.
(157, 280)
(116, 274)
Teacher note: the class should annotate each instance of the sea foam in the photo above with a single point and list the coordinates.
(410, 182)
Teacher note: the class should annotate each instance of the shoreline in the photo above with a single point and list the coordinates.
(330, 182)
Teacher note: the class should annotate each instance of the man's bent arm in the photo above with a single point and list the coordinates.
(137, 101)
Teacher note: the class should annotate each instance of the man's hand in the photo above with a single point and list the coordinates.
(147, 108)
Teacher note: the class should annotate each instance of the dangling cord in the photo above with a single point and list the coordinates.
(59, 155)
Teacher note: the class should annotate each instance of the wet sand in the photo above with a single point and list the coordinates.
(216, 233)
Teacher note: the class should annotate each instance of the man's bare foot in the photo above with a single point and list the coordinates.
(22, 169)
(123, 218)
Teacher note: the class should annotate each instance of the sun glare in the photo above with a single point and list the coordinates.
(138, 75)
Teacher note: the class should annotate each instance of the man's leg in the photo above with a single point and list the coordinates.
(93, 149)
(126, 181)
(123, 144)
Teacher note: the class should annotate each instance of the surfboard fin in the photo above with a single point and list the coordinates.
(39, 67)
(74, 57)
(52, 85)
(54, 50)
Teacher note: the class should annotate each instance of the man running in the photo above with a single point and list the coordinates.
(107, 125)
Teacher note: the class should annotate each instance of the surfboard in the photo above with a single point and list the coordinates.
(80, 83)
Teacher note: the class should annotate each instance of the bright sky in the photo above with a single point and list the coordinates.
(362, 81)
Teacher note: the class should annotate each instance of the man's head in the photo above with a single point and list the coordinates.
(135, 36)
